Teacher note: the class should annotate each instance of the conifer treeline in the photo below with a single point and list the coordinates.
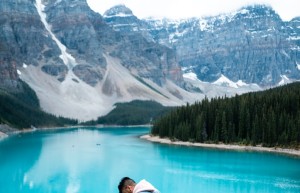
(136, 112)
(270, 118)
(22, 110)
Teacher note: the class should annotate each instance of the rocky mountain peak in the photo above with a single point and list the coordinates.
(260, 9)
(257, 10)
(122, 19)
(118, 11)
(251, 44)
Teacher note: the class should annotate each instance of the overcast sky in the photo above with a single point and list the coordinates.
(287, 9)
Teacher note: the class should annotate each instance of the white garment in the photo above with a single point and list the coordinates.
(143, 185)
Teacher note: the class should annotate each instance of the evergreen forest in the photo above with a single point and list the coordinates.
(269, 118)
(136, 112)
(22, 110)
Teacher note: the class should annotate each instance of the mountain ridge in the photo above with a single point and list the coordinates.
(234, 44)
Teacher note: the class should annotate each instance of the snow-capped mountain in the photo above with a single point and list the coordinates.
(252, 45)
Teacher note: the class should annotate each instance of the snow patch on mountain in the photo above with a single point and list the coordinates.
(224, 81)
(284, 80)
(118, 15)
(190, 75)
(244, 11)
(203, 24)
(215, 90)
(298, 65)
(118, 11)
(67, 58)
(240, 83)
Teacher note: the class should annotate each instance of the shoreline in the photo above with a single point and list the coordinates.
(6, 131)
(3, 135)
(156, 139)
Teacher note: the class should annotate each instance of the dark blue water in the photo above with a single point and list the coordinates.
(92, 160)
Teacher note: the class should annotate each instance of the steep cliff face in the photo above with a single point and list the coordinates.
(253, 45)
(23, 40)
(67, 35)
(122, 19)
(79, 66)
(145, 53)
(293, 30)
(73, 22)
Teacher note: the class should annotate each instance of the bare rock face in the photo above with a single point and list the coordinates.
(71, 27)
(149, 58)
(89, 74)
(59, 71)
(23, 39)
(8, 74)
(252, 44)
(73, 22)
(83, 32)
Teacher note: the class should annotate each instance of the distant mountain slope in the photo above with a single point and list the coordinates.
(251, 45)
(133, 113)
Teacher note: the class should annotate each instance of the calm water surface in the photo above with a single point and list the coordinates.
(92, 160)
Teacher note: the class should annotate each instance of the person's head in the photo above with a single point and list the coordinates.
(126, 185)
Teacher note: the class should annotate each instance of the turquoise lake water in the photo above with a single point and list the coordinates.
(93, 160)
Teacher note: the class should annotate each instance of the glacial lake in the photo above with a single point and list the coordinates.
(93, 160)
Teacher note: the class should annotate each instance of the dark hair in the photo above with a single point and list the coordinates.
(126, 181)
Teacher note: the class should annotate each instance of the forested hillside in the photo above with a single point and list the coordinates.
(269, 118)
(22, 110)
(133, 113)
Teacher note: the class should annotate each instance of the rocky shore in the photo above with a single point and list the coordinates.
(157, 139)
(3, 135)
(5, 130)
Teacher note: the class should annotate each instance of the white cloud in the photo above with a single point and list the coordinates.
(287, 9)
